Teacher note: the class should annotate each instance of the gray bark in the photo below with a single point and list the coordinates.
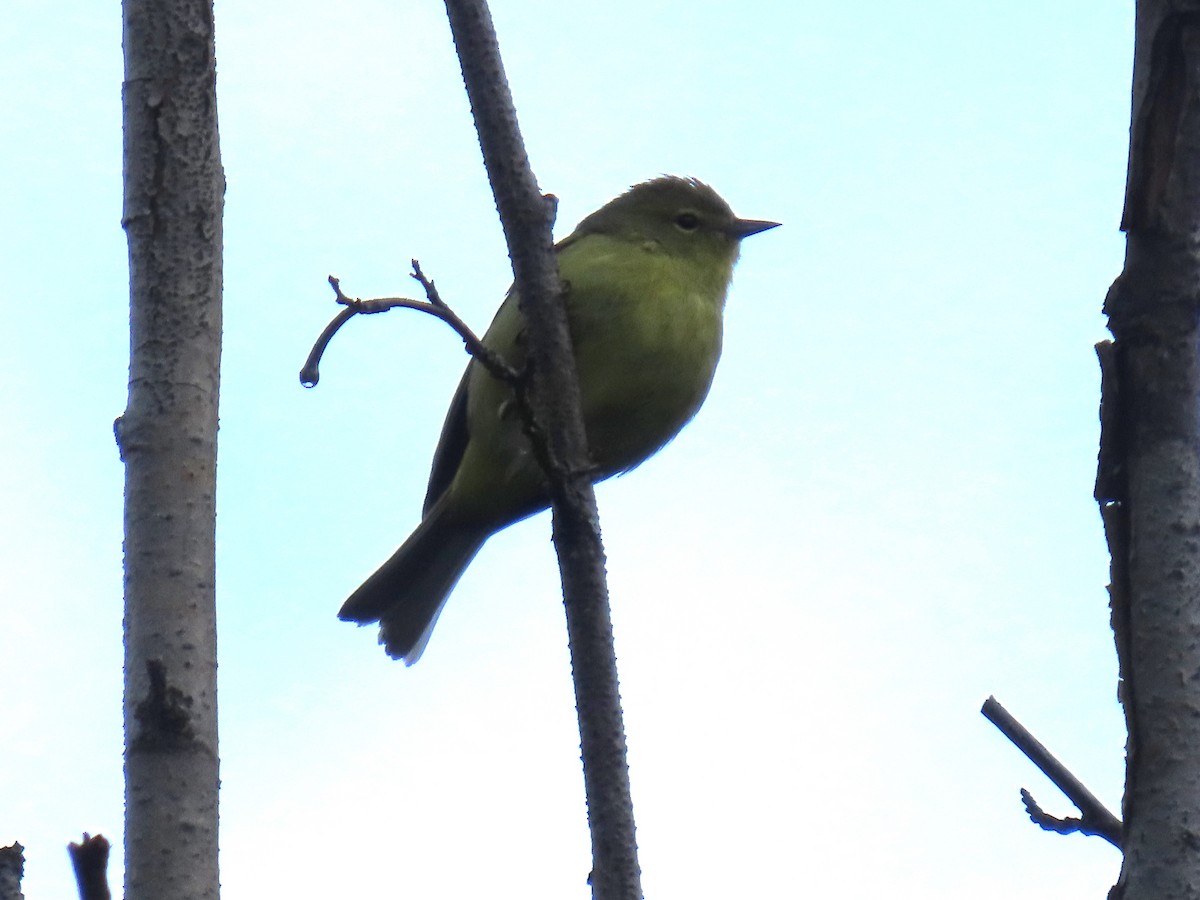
(174, 190)
(1149, 479)
(12, 870)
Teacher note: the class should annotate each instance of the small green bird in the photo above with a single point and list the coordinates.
(646, 279)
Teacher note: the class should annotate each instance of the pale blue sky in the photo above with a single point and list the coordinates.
(882, 515)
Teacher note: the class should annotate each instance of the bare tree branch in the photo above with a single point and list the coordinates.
(1096, 819)
(526, 217)
(548, 396)
(434, 306)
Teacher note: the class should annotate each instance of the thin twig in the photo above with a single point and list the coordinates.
(434, 306)
(310, 373)
(487, 357)
(1043, 819)
(1095, 820)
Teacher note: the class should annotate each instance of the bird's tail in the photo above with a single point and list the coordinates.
(406, 593)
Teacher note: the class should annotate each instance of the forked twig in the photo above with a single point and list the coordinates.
(433, 305)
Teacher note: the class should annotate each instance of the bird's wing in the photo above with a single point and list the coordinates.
(451, 444)
(502, 337)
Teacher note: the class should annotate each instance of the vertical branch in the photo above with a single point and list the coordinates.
(527, 218)
(1148, 483)
(174, 188)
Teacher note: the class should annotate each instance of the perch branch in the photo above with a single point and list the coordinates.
(526, 218)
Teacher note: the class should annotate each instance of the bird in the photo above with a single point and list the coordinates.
(645, 279)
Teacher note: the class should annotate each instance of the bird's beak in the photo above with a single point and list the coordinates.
(742, 228)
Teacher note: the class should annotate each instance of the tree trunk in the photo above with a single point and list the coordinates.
(174, 189)
(1149, 479)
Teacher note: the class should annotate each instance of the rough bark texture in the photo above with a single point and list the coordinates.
(12, 870)
(527, 219)
(174, 188)
(1149, 479)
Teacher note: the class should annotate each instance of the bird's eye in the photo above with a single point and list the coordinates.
(687, 221)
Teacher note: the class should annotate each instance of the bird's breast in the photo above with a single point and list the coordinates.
(646, 360)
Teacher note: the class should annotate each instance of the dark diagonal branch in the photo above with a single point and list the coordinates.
(527, 217)
(1095, 820)
(548, 391)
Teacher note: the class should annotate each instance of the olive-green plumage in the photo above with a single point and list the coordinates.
(646, 278)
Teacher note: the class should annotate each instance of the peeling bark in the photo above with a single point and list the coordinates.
(1149, 478)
